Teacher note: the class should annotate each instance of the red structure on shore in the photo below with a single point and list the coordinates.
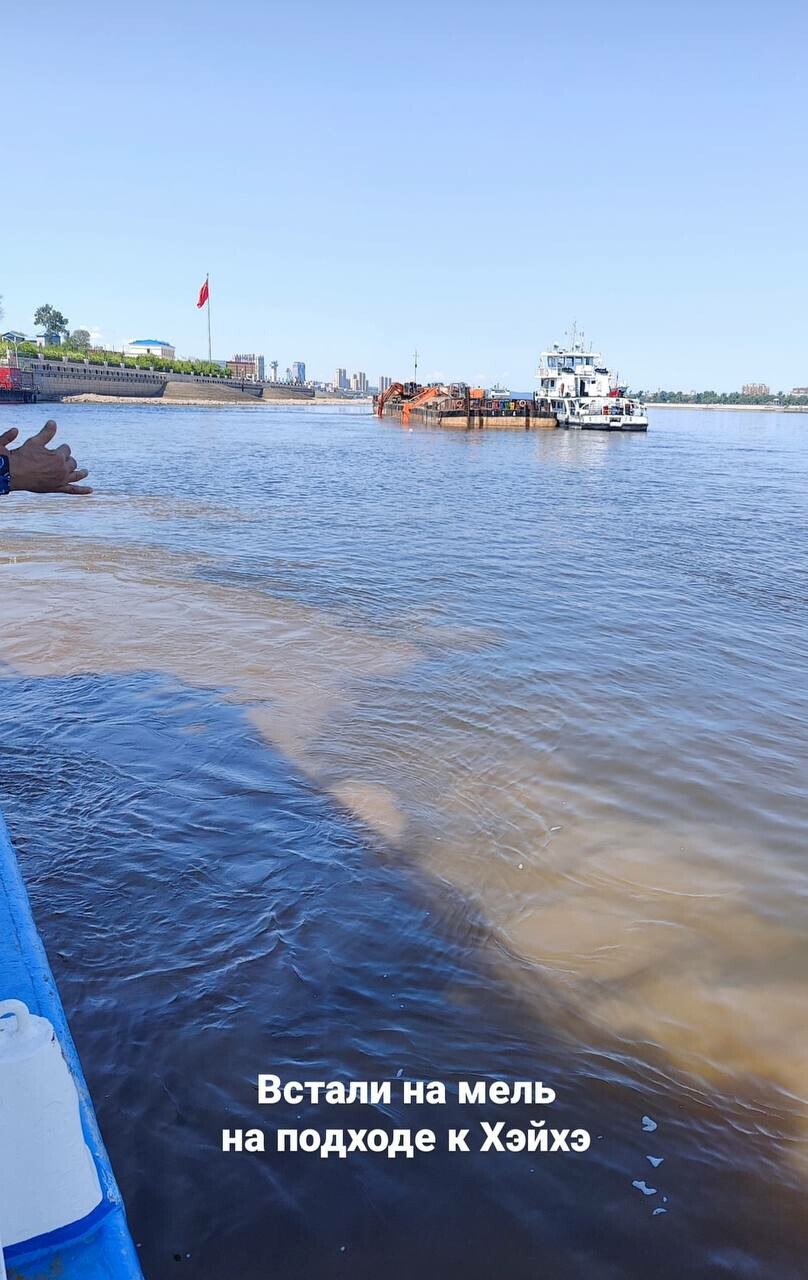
(16, 386)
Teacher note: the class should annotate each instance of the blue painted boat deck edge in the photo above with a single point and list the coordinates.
(101, 1248)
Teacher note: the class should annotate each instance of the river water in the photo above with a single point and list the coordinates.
(343, 751)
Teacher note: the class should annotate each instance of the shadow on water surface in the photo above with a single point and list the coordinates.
(210, 914)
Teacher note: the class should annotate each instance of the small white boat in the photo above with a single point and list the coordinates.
(583, 394)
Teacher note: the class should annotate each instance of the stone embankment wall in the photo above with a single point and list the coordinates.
(221, 392)
(55, 379)
(282, 391)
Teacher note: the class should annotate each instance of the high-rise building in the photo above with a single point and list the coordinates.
(273, 369)
(384, 382)
(755, 389)
(247, 366)
(341, 379)
(359, 382)
(298, 371)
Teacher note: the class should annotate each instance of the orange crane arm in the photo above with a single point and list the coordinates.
(423, 397)
(394, 389)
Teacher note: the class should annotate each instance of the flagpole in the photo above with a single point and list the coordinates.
(210, 349)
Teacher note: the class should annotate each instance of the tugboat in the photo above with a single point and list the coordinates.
(582, 392)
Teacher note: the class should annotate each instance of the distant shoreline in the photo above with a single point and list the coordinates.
(93, 398)
(744, 408)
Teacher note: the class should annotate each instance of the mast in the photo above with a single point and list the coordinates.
(210, 347)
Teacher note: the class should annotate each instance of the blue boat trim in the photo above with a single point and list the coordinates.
(61, 1236)
(99, 1246)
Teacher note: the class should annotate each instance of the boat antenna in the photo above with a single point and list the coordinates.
(415, 365)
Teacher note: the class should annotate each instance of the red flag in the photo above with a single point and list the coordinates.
(204, 294)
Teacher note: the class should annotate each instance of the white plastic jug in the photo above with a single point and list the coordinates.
(48, 1177)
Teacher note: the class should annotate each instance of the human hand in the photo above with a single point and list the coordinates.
(35, 467)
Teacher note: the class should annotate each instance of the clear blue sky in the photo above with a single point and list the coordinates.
(360, 178)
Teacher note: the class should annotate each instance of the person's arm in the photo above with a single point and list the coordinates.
(35, 467)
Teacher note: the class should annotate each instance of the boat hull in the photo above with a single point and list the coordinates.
(100, 1246)
(605, 426)
(603, 422)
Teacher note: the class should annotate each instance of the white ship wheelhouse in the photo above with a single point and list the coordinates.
(568, 372)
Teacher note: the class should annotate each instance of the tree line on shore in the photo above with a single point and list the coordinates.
(720, 397)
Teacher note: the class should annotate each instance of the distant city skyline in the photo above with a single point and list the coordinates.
(298, 370)
(254, 366)
(684, 267)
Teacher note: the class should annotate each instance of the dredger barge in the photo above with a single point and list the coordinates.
(464, 408)
(576, 391)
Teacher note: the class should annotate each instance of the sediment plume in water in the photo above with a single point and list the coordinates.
(660, 932)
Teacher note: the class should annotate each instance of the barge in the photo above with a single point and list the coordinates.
(576, 391)
(463, 408)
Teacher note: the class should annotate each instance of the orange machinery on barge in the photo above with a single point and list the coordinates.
(463, 407)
